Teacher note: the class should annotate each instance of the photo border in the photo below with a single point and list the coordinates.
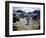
(7, 18)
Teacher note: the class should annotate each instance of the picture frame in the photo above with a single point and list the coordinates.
(26, 7)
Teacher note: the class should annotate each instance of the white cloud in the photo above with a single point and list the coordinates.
(26, 9)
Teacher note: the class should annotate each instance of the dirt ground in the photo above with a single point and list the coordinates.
(33, 25)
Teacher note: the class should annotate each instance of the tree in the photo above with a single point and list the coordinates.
(20, 11)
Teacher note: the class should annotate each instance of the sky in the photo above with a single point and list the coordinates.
(26, 9)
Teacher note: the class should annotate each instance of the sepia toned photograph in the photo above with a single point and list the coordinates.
(26, 18)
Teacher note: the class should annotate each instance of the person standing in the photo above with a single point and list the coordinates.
(28, 18)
